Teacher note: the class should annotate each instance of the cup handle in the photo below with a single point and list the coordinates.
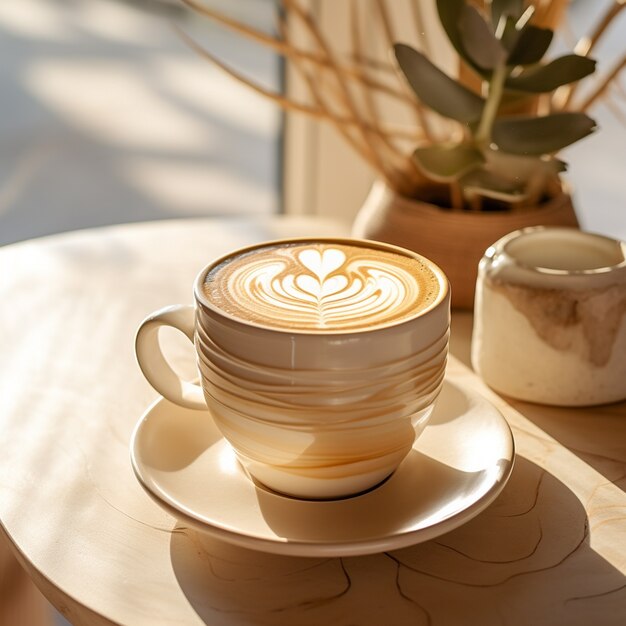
(153, 363)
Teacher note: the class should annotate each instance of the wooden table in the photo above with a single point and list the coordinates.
(550, 550)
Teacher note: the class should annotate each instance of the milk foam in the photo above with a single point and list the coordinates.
(321, 286)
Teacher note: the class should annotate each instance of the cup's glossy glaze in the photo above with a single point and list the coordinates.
(309, 414)
(550, 317)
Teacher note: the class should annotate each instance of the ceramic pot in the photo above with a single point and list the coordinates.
(454, 240)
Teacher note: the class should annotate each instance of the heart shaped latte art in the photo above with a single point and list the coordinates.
(322, 286)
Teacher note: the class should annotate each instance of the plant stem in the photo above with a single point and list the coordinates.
(496, 88)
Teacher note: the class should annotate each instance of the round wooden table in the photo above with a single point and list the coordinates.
(550, 550)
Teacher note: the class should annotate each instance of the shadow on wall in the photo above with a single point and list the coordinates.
(108, 117)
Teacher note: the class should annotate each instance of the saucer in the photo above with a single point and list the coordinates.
(456, 468)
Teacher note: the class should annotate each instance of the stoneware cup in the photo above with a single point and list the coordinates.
(309, 414)
(550, 317)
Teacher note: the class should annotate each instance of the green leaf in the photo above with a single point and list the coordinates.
(532, 43)
(522, 170)
(450, 16)
(436, 89)
(478, 39)
(540, 135)
(500, 8)
(448, 162)
(522, 167)
(510, 177)
(483, 182)
(545, 78)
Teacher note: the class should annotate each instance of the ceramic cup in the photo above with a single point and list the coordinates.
(550, 317)
(310, 413)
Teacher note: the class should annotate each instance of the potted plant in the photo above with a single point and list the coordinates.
(500, 173)
(479, 161)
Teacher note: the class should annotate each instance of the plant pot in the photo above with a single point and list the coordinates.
(455, 240)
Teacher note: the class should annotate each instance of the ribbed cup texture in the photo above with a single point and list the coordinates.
(339, 431)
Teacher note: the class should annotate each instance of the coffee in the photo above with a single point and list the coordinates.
(322, 286)
(313, 407)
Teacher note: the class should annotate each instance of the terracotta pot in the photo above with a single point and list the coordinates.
(455, 240)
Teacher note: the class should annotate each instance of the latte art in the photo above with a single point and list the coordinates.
(321, 286)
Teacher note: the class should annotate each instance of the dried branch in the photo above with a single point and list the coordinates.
(285, 103)
(615, 109)
(390, 38)
(418, 19)
(290, 52)
(367, 81)
(621, 92)
(549, 13)
(585, 46)
(588, 43)
(371, 63)
(385, 22)
(347, 90)
(345, 94)
(368, 99)
(567, 32)
(603, 86)
(312, 85)
(404, 164)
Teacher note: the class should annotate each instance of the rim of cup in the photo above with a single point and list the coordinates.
(444, 286)
(511, 247)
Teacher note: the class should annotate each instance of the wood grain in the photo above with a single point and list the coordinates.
(21, 603)
(550, 550)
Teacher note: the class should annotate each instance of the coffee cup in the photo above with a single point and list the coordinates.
(319, 359)
(550, 317)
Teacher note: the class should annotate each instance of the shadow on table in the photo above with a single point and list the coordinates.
(596, 435)
(528, 556)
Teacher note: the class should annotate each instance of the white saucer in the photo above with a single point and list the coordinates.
(457, 467)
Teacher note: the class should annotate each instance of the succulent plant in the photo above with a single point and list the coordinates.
(506, 117)
(502, 156)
